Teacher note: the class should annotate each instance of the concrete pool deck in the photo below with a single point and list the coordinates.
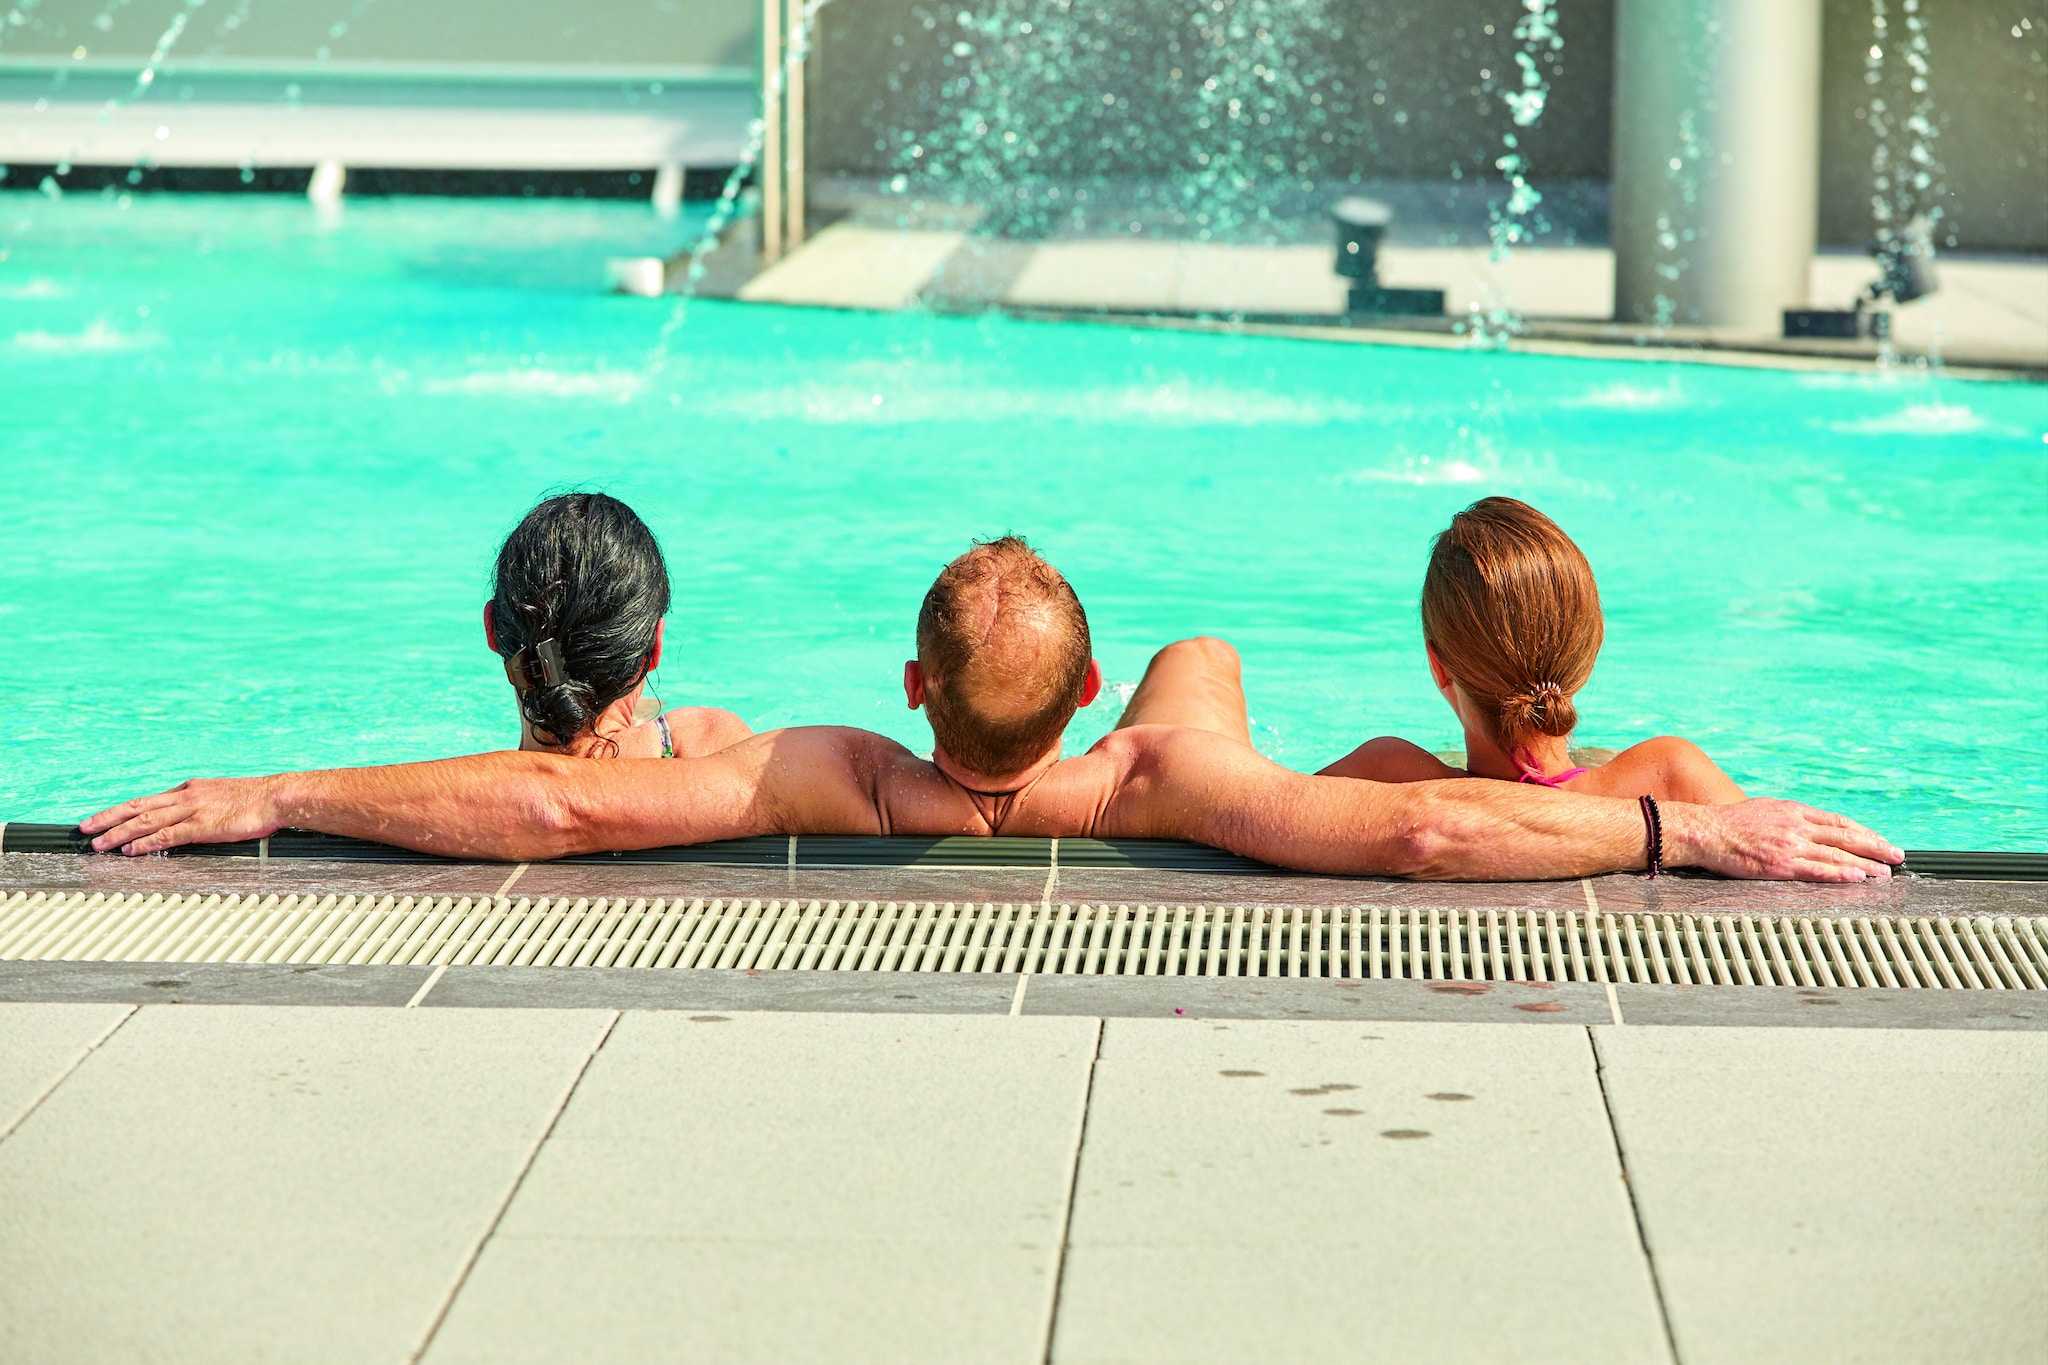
(236, 1181)
(877, 253)
(241, 1161)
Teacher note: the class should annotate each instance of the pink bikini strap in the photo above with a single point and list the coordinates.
(1535, 775)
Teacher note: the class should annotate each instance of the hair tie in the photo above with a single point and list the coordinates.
(538, 665)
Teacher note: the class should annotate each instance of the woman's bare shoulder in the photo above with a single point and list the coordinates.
(1388, 759)
(700, 730)
(1668, 768)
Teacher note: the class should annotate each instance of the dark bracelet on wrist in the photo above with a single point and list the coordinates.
(1653, 830)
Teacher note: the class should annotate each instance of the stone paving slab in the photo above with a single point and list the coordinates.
(1114, 886)
(782, 1187)
(39, 1044)
(70, 872)
(1153, 997)
(1870, 1196)
(1858, 1007)
(1208, 997)
(964, 885)
(594, 1301)
(1619, 893)
(210, 983)
(1388, 1192)
(1696, 895)
(851, 265)
(710, 990)
(270, 1184)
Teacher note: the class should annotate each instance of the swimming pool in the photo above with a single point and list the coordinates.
(258, 464)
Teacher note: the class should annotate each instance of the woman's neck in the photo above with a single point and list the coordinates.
(599, 739)
(1549, 755)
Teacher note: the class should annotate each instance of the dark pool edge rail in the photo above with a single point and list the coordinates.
(823, 851)
(806, 852)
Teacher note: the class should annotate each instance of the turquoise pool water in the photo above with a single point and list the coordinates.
(257, 465)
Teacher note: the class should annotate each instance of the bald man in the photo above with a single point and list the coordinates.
(1004, 661)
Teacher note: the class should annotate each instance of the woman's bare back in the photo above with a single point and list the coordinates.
(1668, 768)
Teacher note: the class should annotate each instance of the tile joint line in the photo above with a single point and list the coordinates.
(1017, 997)
(476, 1248)
(792, 860)
(1613, 1005)
(1066, 1220)
(1629, 1187)
(263, 849)
(1052, 877)
(66, 1074)
(1592, 901)
(433, 980)
(507, 884)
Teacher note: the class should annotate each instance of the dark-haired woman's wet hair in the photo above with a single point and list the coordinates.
(580, 590)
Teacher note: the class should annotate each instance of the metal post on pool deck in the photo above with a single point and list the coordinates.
(770, 166)
(1716, 159)
(793, 92)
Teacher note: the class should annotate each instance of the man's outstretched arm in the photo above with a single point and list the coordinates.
(1188, 785)
(527, 806)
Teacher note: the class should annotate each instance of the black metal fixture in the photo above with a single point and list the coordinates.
(1905, 272)
(1361, 226)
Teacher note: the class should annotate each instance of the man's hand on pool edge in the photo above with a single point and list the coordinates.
(199, 811)
(1768, 840)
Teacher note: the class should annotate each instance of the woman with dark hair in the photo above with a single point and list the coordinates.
(576, 614)
(1511, 624)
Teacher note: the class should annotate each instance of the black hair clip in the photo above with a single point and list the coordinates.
(538, 665)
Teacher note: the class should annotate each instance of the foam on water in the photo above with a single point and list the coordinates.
(619, 385)
(1922, 419)
(937, 398)
(95, 336)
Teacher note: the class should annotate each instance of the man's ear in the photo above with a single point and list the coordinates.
(490, 629)
(654, 655)
(913, 684)
(1091, 686)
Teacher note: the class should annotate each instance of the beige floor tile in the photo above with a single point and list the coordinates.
(1868, 1195)
(243, 1183)
(1382, 1192)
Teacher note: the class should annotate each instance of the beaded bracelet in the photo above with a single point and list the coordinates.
(1653, 828)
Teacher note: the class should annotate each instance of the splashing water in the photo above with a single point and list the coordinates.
(144, 79)
(728, 204)
(17, 17)
(1199, 131)
(1683, 170)
(1900, 193)
(1514, 221)
(795, 52)
(1906, 193)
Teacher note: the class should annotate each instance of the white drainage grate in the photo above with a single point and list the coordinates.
(1975, 952)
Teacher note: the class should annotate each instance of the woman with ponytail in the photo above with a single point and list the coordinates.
(1511, 623)
(576, 614)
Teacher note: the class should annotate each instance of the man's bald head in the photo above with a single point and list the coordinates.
(1004, 647)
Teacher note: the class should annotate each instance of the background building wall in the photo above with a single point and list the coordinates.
(1990, 86)
(1407, 95)
(1404, 94)
(1406, 85)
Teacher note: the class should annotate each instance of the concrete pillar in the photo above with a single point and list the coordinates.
(1716, 159)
